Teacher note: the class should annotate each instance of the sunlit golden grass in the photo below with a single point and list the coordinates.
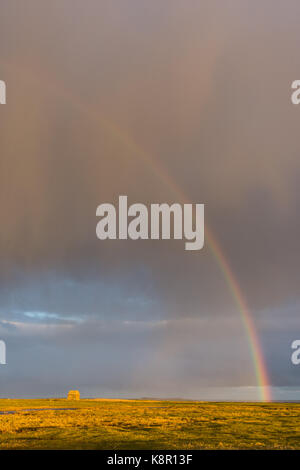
(147, 424)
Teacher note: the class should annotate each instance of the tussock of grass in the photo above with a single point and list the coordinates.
(145, 424)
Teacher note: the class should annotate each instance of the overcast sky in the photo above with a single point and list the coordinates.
(105, 98)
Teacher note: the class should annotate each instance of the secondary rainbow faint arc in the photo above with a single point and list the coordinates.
(161, 172)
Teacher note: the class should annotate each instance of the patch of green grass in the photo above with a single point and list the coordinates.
(148, 424)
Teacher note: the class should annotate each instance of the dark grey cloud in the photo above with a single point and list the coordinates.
(107, 98)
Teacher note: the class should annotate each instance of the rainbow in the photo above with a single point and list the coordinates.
(253, 340)
(219, 256)
(161, 173)
(224, 265)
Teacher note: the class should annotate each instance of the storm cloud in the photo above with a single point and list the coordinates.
(160, 101)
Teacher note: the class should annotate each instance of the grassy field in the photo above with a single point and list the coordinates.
(147, 424)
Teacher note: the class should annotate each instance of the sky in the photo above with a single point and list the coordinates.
(110, 98)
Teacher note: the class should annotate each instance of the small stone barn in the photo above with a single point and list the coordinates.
(73, 395)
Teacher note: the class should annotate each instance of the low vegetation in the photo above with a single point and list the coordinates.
(147, 424)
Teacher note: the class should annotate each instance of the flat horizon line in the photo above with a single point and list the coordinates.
(154, 399)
